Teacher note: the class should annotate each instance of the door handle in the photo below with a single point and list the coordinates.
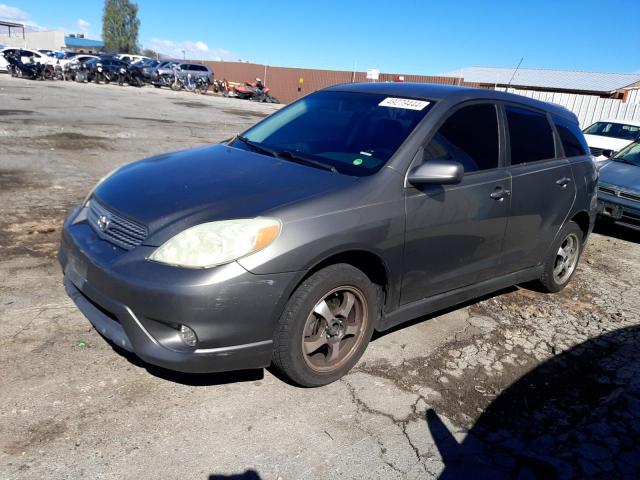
(500, 194)
(563, 182)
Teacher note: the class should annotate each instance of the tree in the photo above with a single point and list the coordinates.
(147, 52)
(120, 26)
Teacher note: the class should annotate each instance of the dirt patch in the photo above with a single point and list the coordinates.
(192, 104)
(36, 436)
(36, 234)
(12, 180)
(156, 120)
(246, 113)
(8, 111)
(76, 141)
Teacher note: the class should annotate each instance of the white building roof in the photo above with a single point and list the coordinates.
(550, 79)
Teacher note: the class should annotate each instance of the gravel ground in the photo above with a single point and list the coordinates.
(517, 384)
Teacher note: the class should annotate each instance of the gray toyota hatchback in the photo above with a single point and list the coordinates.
(354, 209)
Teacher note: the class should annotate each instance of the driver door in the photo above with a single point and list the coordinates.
(454, 233)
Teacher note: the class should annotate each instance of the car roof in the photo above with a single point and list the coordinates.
(449, 93)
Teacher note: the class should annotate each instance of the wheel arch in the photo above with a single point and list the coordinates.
(370, 263)
(583, 220)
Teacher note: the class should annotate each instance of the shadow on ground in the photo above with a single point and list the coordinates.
(610, 229)
(574, 416)
(191, 379)
(248, 475)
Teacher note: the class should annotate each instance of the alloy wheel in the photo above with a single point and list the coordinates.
(335, 329)
(566, 259)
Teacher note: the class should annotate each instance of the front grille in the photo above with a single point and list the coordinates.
(115, 228)
(619, 193)
(630, 196)
(610, 191)
(596, 152)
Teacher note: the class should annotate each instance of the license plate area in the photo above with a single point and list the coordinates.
(610, 210)
(76, 270)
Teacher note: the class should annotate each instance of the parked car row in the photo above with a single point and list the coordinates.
(133, 69)
(607, 137)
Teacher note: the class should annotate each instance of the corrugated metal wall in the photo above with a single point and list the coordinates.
(588, 108)
(285, 81)
(633, 95)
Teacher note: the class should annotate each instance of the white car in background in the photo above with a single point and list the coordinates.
(25, 57)
(129, 58)
(611, 136)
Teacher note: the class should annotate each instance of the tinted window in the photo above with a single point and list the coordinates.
(530, 135)
(615, 130)
(198, 68)
(354, 132)
(571, 137)
(469, 136)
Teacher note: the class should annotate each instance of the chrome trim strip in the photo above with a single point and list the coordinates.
(135, 319)
(233, 347)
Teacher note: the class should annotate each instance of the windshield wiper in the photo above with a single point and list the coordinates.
(294, 157)
(287, 155)
(257, 147)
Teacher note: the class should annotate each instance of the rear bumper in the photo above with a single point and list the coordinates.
(138, 305)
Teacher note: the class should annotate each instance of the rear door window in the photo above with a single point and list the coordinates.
(573, 141)
(530, 135)
(470, 137)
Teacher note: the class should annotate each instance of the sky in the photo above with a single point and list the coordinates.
(401, 36)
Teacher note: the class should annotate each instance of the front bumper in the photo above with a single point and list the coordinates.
(139, 305)
(622, 211)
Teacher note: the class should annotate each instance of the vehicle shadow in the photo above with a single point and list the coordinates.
(192, 379)
(610, 229)
(378, 335)
(575, 416)
(248, 475)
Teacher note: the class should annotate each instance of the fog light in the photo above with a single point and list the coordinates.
(188, 336)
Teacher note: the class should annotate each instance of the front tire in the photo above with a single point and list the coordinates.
(326, 326)
(560, 265)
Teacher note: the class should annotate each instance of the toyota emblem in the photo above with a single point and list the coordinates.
(103, 222)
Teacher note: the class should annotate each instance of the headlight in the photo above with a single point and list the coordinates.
(215, 243)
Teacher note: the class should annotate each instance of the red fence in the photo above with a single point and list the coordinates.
(289, 84)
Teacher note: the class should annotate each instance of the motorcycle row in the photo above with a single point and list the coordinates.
(106, 70)
(113, 70)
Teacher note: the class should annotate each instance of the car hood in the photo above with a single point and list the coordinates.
(622, 175)
(175, 191)
(606, 143)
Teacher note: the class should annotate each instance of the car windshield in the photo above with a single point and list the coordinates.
(630, 154)
(355, 133)
(615, 130)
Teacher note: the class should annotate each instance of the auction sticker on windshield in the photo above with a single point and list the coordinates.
(406, 103)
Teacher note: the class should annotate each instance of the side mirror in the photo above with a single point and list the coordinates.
(439, 172)
(608, 153)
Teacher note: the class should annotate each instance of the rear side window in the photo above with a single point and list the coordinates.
(470, 137)
(530, 135)
(197, 68)
(573, 141)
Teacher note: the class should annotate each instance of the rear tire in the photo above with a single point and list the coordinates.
(562, 260)
(326, 326)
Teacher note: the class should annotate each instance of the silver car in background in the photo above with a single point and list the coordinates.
(619, 187)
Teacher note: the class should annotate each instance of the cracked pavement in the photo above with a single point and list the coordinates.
(515, 384)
